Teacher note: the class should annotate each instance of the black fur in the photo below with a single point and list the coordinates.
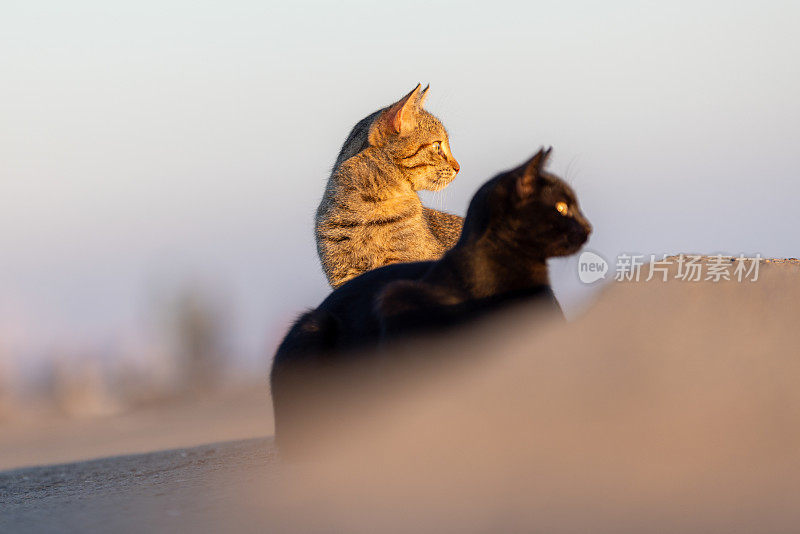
(512, 227)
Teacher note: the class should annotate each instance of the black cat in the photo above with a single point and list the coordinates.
(514, 223)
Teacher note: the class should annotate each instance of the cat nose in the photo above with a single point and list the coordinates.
(455, 165)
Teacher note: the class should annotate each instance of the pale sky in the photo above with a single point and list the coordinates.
(156, 143)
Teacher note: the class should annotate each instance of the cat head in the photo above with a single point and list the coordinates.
(416, 141)
(529, 211)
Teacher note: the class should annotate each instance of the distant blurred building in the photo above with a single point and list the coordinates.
(198, 323)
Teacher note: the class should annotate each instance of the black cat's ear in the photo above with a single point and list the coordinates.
(531, 171)
(398, 118)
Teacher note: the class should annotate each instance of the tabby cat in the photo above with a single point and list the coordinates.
(514, 223)
(371, 214)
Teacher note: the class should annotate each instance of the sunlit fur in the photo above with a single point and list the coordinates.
(370, 214)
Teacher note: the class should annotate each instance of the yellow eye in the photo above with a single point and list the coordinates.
(437, 146)
(562, 208)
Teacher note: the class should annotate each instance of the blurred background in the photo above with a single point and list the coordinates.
(161, 161)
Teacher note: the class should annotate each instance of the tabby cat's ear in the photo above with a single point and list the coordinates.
(422, 96)
(399, 118)
(531, 171)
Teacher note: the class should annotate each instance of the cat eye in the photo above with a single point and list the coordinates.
(562, 208)
(437, 146)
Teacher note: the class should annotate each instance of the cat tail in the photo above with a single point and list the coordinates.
(296, 374)
(445, 227)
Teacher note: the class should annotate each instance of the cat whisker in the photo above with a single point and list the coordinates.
(569, 175)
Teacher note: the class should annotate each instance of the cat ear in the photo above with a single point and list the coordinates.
(422, 96)
(399, 117)
(531, 171)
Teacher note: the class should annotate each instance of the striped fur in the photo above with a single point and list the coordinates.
(370, 214)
